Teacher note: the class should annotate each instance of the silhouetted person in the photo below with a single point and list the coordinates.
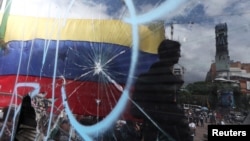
(129, 132)
(156, 93)
(192, 127)
(8, 128)
(26, 127)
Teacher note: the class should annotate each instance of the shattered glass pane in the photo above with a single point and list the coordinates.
(106, 70)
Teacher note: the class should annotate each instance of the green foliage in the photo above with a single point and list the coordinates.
(199, 88)
(206, 94)
(242, 101)
(184, 96)
(196, 93)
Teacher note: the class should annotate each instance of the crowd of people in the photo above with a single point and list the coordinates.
(62, 130)
(215, 117)
(198, 117)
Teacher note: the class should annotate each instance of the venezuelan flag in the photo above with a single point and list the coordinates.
(93, 56)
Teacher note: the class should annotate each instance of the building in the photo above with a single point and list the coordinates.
(222, 57)
(237, 71)
(179, 70)
(223, 67)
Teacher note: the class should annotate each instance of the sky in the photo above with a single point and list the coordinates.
(197, 39)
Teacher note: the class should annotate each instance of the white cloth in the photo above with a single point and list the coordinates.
(192, 127)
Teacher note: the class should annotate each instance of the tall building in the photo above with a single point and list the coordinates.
(225, 69)
(222, 58)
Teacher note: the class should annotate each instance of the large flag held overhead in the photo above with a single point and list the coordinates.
(93, 55)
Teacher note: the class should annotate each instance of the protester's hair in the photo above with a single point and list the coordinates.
(169, 48)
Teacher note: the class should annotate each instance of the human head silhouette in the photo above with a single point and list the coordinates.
(169, 51)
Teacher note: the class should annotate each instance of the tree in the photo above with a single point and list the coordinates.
(197, 93)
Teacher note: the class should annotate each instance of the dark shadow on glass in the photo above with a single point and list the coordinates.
(155, 98)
